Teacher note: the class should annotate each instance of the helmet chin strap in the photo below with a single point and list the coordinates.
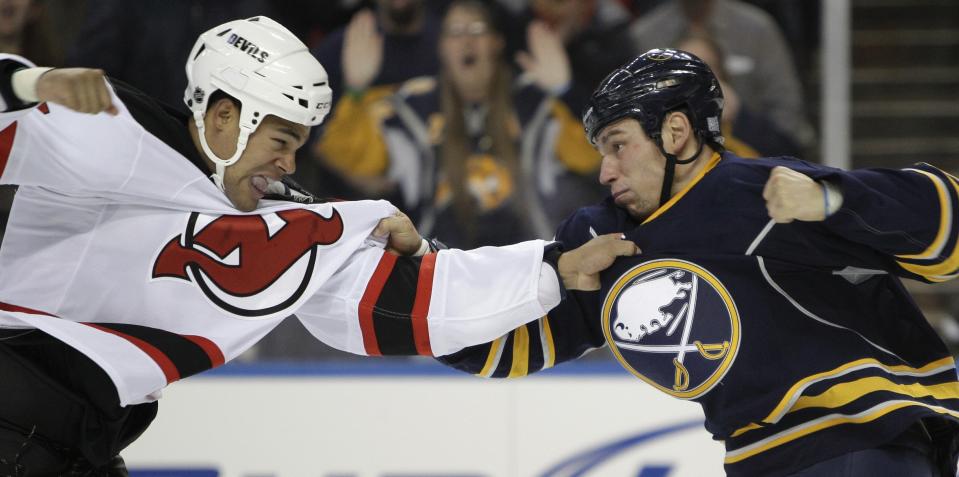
(671, 162)
(219, 164)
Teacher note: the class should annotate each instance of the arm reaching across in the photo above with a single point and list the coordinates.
(578, 269)
(565, 333)
(906, 214)
(439, 303)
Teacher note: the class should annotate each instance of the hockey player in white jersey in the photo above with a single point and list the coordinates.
(145, 246)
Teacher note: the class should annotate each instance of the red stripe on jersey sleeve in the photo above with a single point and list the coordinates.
(20, 309)
(421, 305)
(209, 347)
(162, 360)
(370, 296)
(6, 144)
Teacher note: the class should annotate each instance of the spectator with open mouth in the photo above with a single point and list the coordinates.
(475, 154)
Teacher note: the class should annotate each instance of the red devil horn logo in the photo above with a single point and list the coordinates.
(263, 259)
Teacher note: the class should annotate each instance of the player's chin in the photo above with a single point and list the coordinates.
(244, 202)
(639, 211)
(246, 207)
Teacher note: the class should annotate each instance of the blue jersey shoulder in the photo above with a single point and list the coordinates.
(591, 221)
(738, 167)
(732, 174)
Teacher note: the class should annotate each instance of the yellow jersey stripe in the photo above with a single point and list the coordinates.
(942, 268)
(492, 360)
(520, 366)
(826, 422)
(845, 393)
(945, 220)
(797, 389)
(679, 195)
(941, 278)
(742, 430)
(549, 348)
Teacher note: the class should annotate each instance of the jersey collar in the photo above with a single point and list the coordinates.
(713, 160)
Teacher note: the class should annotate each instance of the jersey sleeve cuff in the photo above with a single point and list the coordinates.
(9, 101)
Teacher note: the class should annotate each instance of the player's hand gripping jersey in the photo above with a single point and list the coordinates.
(123, 249)
(791, 336)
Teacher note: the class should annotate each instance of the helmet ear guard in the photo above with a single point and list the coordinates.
(266, 68)
(649, 87)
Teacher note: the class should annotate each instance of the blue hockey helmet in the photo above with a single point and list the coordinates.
(652, 85)
(649, 87)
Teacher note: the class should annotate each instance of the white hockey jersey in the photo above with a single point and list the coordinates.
(120, 247)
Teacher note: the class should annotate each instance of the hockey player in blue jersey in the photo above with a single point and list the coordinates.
(768, 290)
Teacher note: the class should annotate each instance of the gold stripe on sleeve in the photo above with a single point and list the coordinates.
(549, 358)
(945, 220)
(520, 365)
(492, 360)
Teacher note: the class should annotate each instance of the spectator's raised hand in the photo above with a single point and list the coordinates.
(80, 89)
(362, 51)
(546, 61)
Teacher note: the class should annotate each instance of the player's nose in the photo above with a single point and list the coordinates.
(608, 170)
(286, 163)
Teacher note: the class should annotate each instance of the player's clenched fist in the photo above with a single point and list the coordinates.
(400, 234)
(80, 89)
(579, 268)
(791, 195)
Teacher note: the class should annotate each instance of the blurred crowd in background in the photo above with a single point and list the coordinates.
(463, 113)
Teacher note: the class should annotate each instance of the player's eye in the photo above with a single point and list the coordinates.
(280, 143)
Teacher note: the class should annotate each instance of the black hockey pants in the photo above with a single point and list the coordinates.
(59, 412)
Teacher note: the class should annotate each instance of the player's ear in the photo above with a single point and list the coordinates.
(677, 132)
(222, 114)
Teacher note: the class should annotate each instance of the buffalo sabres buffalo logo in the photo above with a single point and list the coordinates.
(249, 265)
(672, 324)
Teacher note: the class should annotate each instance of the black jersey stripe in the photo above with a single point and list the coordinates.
(187, 355)
(392, 314)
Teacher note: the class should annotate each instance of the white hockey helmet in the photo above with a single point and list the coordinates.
(266, 68)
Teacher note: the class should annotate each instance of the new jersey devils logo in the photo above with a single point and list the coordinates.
(249, 265)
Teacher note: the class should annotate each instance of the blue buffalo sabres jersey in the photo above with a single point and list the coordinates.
(798, 340)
